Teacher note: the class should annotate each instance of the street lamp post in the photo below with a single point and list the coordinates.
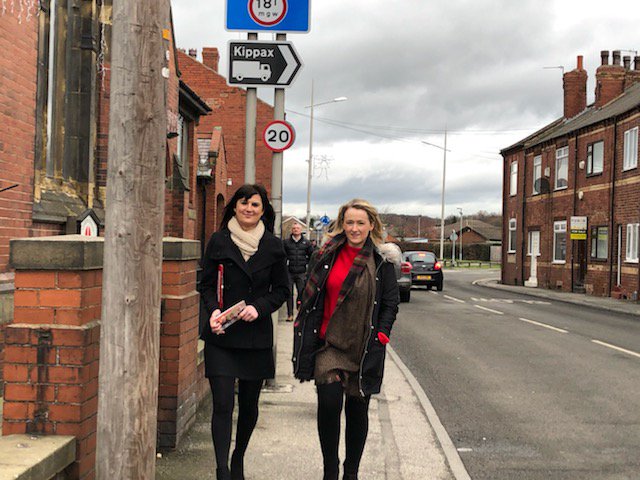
(310, 171)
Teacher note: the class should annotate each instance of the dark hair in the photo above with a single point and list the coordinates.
(245, 192)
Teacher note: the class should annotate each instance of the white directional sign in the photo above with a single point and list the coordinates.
(262, 64)
(278, 136)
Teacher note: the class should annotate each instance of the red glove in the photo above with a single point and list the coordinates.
(382, 338)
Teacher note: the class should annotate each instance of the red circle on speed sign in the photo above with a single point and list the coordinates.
(267, 12)
(278, 136)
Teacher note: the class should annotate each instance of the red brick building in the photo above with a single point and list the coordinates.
(229, 109)
(582, 166)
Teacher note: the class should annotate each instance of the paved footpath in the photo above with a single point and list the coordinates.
(406, 440)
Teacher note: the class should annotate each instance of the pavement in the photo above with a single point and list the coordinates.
(406, 440)
(602, 303)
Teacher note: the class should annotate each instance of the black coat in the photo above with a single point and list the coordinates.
(262, 281)
(307, 327)
(298, 254)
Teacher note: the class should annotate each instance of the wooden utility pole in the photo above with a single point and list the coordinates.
(129, 343)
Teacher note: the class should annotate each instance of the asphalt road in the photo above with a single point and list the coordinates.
(526, 388)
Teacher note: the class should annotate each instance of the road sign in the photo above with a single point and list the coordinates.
(262, 64)
(578, 228)
(325, 220)
(318, 225)
(278, 136)
(454, 236)
(268, 15)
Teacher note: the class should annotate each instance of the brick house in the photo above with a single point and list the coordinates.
(226, 121)
(584, 164)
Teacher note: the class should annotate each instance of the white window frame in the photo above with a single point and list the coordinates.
(630, 149)
(559, 228)
(562, 156)
(512, 235)
(592, 149)
(632, 242)
(537, 174)
(513, 179)
(596, 253)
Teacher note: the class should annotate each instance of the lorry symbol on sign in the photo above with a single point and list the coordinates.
(251, 69)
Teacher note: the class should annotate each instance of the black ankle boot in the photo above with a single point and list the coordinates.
(223, 474)
(237, 467)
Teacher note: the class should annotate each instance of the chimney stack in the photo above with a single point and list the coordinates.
(211, 57)
(575, 90)
(632, 76)
(193, 52)
(626, 61)
(610, 79)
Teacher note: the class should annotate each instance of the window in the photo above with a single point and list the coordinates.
(512, 235)
(599, 242)
(595, 158)
(560, 241)
(534, 243)
(513, 184)
(537, 174)
(630, 149)
(562, 167)
(632, 242)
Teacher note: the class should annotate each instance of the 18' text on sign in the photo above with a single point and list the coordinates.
(267, 12)
(278, 136)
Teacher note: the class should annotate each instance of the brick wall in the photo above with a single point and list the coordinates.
(18, 44)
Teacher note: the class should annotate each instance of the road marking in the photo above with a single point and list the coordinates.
(620, 349)
(454, 299)
(556, 329)
(489, 309)
(431, 291)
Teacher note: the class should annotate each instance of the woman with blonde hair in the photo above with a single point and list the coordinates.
(348, 308)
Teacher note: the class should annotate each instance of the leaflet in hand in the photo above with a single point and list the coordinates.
(230, 315)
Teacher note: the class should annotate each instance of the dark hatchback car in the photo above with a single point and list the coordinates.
(426, 270)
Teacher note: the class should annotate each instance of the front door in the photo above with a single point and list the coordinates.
(534, 253)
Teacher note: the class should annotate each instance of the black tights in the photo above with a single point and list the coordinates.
(222, 389)
(330, 401)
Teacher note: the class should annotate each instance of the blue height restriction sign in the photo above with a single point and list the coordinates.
(287, 16)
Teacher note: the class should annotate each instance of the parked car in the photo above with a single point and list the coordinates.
(425, 269)
(403, 271)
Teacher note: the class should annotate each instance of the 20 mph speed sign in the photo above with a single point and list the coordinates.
(278, 136)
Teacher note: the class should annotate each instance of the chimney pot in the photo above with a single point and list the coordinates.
(580, 62)
(604, 57)
(616, 57)
(626, 60)
(636, 63)
(193, 52)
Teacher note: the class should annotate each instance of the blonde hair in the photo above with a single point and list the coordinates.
(336, 227)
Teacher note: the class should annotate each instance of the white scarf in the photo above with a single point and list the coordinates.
(246, 240)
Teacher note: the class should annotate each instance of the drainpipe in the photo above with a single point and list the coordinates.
(203, 233)
(612, 191)
(523, 241)
(575, 193)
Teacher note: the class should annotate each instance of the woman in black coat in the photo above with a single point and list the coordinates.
(251, 262)
(348, 308)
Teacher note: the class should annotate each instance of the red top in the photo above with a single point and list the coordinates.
(334, 283)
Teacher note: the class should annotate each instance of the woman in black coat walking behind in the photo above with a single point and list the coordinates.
(348, 308)
(251, 264)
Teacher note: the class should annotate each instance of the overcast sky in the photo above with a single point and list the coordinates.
(412, 68)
